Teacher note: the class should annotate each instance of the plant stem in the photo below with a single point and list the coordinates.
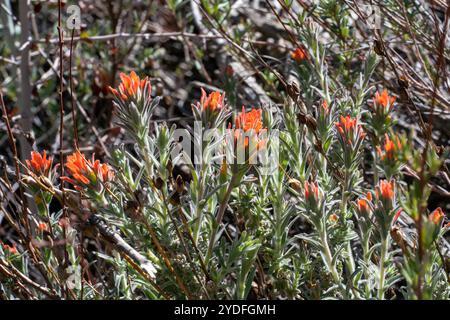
(329, 257)
(219, 218)
(375, 169)
(365, 243)
(198, 209)
(147, 160)
(350, 260)
(384, 244)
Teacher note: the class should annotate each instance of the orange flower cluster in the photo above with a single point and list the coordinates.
(347, 127)
(212, 102)
(39, 164)
(391, 149)
(382, 209)
(383, 99)
(346, 124)
(86, 172)
(386, 189)
(299, 54)
(131, 86)
(11, 249)
(437, 216)
(248, 121)
(385, 192)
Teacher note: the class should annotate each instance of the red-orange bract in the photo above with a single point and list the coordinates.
(386, 190)
(390, 148)
(397, 215)
(212, 102)
(436, 216)
(363, 206)
(311, 191)
(248, 121)
(11, 249)
(39, 164)
(42, 226)
(347, 127)
(325, 106)
(383, 99)
(299, 54)
(86, 172)
(130, 86)
(346, 124)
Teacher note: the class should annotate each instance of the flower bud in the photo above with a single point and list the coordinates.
(437, 216)
(299, 54)
(311, 193)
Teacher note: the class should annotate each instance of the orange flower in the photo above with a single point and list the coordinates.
(131, 86)
(11, 249)
(384, 99)
(325, 106)
(248, 121)
(86, 172)
(299, 54)
(38, 163)
(390, 148)
(386, 189)
(42, 226)
(79, 168)
(347, 126)
(214, 101)
(436, 216)
(363, 206)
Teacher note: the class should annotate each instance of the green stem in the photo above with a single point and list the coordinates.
(366, 261)
(350, 260)
(375, 161)
(219, 218)
(384, 244)
(43, 210)
(198, 209)
(199, 215)
(343, 206)
(329, 258)
(148, 161)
